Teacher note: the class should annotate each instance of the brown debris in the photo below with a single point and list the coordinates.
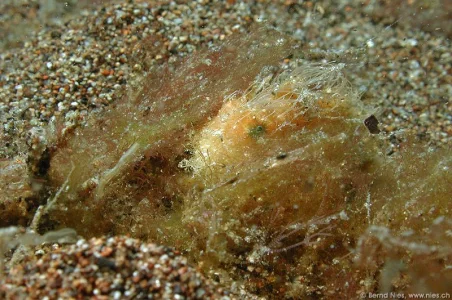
(372, 124)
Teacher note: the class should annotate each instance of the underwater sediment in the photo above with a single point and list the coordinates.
(271, 179)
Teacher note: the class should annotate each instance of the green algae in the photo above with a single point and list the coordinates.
(270, 181)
